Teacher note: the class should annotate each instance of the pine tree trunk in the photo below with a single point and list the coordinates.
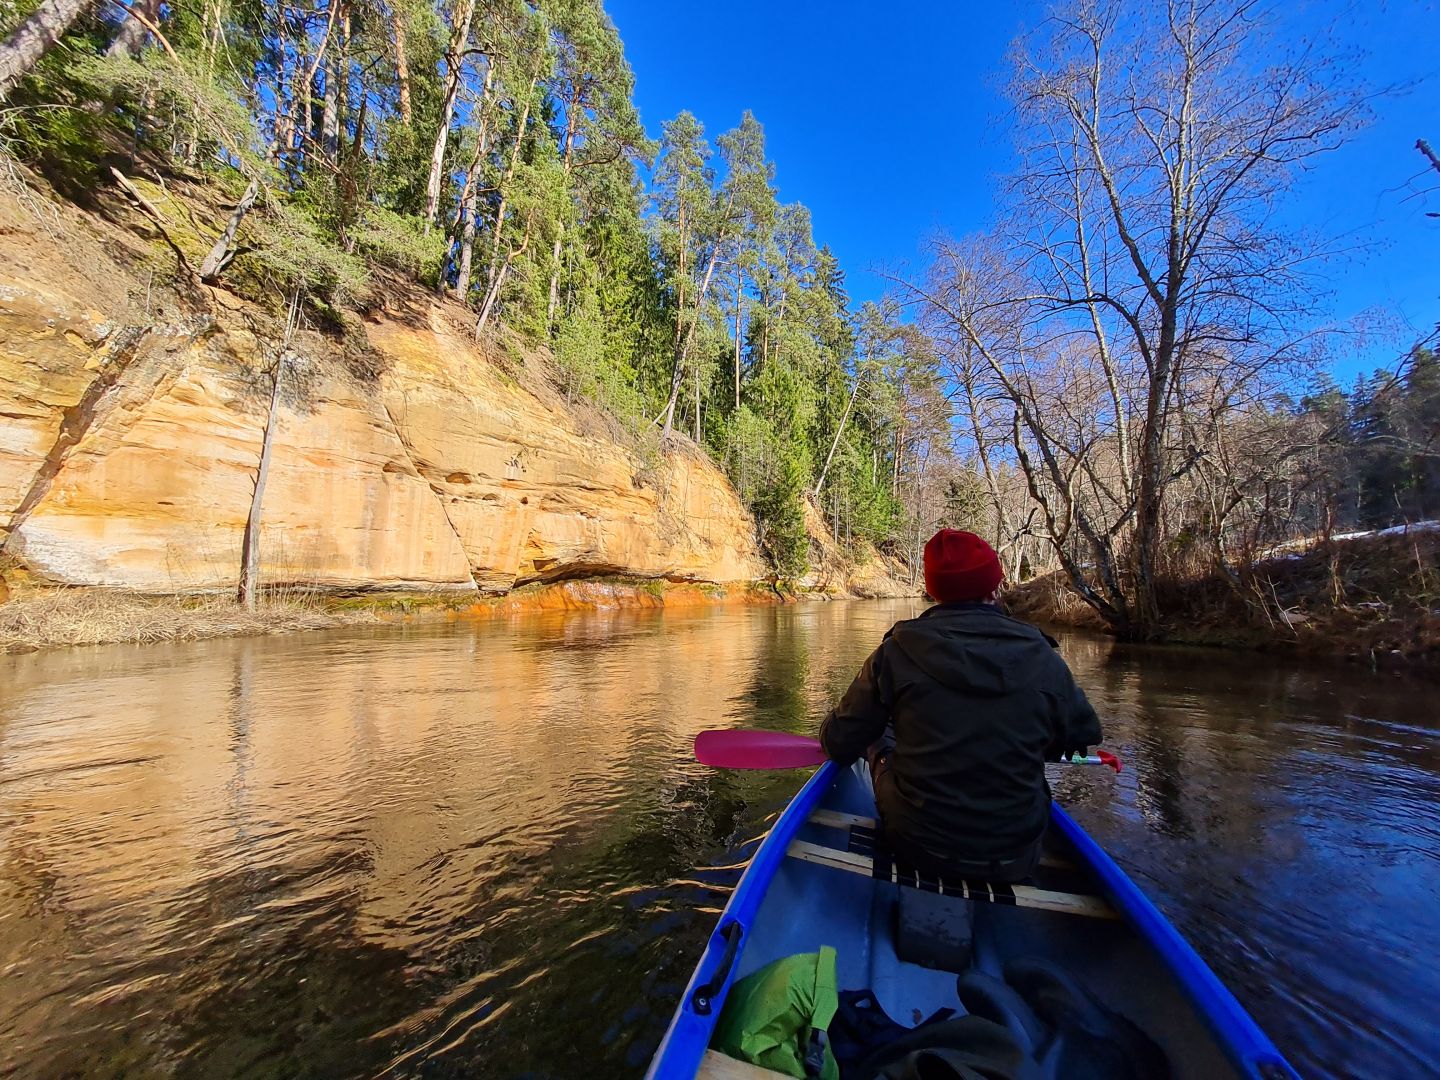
(307, 90)
(895, 464)
(676, 377)
(223, 251)
(492, 294)
(835, 445)
(454, 68)
(130, 38)
(570, 125)
(300, 108)
(499, 230)
(555, 253)
(402, 67)
(779, 322)
(284, 102)
(739, 310)
(680, 279)
(342, 81)
(330, 112)
(470, 198)
(465, 272)
(32, 39)
(469, 192)
(684, 351)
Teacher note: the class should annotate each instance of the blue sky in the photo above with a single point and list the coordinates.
(887, 122)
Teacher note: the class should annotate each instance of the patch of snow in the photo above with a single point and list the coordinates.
(1295, 549)
(1393, 530)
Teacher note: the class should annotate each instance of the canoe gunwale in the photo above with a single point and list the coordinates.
(688, 1037)
(1250, 1048)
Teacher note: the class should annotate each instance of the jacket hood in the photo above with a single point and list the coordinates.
(974, 647)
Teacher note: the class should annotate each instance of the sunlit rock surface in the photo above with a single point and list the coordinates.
(405, 456)
(130, 436)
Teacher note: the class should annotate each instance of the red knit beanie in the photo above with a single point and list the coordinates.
(960, 566)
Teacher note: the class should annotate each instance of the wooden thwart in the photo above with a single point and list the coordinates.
(1025, 896)
(834, 819)
(837, 820)
(717, 1066)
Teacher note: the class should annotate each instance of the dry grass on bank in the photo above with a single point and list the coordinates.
(1050, 599)
(54, 617)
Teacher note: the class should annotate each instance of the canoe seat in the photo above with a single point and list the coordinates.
(1026, 896)
(858, 827)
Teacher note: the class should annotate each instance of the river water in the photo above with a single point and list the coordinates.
(485, 850)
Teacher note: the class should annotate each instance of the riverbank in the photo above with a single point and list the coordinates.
(1369, 599)
(53, 618)
(398, 452)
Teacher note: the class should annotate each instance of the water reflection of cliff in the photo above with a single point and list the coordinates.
(381, 804)
(486, 851)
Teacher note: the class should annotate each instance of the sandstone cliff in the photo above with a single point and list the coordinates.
(131, 423)
(834, 573)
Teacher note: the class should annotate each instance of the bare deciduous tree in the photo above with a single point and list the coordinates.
(1140, 252)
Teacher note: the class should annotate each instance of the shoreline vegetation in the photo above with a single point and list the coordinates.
(1371, 599)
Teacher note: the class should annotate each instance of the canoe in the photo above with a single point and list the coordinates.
(814, 881)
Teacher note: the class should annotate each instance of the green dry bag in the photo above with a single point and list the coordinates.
(776, 1017)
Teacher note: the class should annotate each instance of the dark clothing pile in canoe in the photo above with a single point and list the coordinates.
(1036, 1024)
(978, 702)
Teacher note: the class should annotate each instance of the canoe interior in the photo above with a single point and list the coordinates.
(809, 905)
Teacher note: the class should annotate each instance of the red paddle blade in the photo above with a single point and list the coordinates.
(756, 750)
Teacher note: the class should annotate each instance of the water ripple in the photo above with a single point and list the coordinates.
(489, 852)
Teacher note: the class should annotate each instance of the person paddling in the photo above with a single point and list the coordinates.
(957, 712)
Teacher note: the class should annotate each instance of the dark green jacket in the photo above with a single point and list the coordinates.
(979, 702)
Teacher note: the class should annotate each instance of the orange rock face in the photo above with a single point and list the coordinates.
(607, 595)
(129, 446)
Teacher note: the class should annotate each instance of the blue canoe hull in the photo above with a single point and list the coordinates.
(1137, 964)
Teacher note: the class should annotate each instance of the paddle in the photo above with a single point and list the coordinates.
(757, 750)
(779, 750)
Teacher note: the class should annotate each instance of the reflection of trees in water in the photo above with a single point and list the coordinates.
(490, 850)
(1161, 768)
(775, 696)
(1198, 727)
(1159, 790)
(240, 720)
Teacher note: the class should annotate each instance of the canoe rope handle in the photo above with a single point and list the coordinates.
(705, 995)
